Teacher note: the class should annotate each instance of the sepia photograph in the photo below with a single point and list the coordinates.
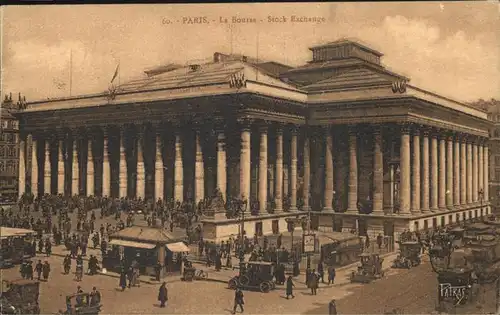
(254, 158)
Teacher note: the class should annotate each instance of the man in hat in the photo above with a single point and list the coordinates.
(163, 294)
(238, 300)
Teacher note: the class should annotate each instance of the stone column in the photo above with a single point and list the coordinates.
(449, 173)
(178, 169)
(434, 172)
(123, 171)
(481, 167)
(75, 168)
(469, 172)
(293, 169)
(405, 175)
(141, 171)
(263, 169)
(415, 186)
(475, 171)
(46, 170)
(463, 172)
(486, 173)
(106, 170)
(442, 173)
(329, 178)
(221, 164)
(286, 179)
(307, 172)
(456, 172)
(352, 195)
(159, 174)
(199, 171)
(425, 172)
(60, 167)
(22, 165)
(378, 172)
(34, 166)
(246, 164)
(90, 169)
(278, 195)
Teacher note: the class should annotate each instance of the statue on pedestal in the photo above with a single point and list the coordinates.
(217, 204)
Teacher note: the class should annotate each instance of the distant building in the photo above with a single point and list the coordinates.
(9, 149)
(493, 108)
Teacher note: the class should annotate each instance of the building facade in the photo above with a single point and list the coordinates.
(9, 149)
(341, 136)
(493, 109)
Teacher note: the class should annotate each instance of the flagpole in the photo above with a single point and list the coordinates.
(70, 71)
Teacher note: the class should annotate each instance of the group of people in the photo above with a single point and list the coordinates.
(42, 269)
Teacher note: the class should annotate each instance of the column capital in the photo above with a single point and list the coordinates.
(245, 123)
(405, 128)
(278, 127)
(483, 140)
(416, 131)
(294, 129)
(352, 129)
(263, 125)
(197, 125)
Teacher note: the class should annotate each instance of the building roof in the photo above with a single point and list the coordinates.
(359, 77)
(206, 74)
(144, 234)
(345, 41)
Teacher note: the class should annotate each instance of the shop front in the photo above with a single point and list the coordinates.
(145, 248)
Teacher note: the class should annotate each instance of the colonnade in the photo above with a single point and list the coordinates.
(438, 170)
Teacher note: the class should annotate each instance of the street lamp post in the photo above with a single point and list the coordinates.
(241, 208)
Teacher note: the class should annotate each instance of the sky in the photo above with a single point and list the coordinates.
(450, 48)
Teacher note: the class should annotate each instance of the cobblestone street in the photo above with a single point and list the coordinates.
(413, 291)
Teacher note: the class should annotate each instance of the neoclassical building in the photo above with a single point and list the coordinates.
(342, 136)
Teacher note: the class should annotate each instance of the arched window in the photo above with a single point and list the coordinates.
(2, 151)
(2, 166)
(497, 133)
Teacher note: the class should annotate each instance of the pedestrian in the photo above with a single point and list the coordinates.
(331, 275)
(379, 241)
(23, 270)
(67, 264)
(238, 300)
(29, 270)
(163, 294)
(289, 287)
(321, 272)
(38, 269)
(48, 247)
(158, 268)
(313, 282)
(95, 297)
(123, 279)
(46, 271)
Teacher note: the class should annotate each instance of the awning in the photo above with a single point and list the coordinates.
(178, 247)
(131, 244)
(10, 232)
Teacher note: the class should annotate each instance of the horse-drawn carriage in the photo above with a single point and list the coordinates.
(20, 297)
(409, 255)
(370, 269)
(255, 275)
